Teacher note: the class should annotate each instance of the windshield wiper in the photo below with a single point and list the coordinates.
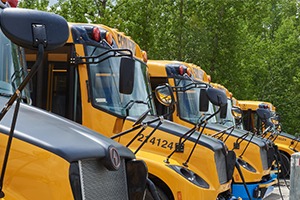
(225, 121)
(129, 105)
(10, 95)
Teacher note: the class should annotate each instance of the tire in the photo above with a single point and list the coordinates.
(285, 166)
(160, 193)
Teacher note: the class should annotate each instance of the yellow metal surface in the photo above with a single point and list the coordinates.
(252, 155)
(283, 143)
(33, 173)
(153, 153)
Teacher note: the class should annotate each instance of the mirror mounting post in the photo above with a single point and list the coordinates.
(9, 141)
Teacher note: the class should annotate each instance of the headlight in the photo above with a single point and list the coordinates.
(190, 175)
(245, 165)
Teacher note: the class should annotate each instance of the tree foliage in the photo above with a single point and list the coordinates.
(249, 46)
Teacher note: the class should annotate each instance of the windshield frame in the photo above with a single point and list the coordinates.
(201, 85)
(14, 69)
(92, 95)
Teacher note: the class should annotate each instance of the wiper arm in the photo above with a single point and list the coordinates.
(129, 105)
(10, 95)
(225, 121)
(180, 145)
(223, 132)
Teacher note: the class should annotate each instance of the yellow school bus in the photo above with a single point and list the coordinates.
(44, 156)
(287, 144)
(252, 153)
(84, 81)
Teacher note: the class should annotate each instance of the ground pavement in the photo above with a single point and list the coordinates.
(275, 195)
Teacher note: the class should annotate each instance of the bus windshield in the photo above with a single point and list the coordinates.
(188, 101)
(13, 68)
(104, 86)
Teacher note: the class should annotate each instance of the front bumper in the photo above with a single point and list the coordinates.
(256, 190)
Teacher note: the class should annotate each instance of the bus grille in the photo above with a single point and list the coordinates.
(221, 166)
(99, 183)
(264, 158)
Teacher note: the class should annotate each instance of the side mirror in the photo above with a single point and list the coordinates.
(275, 120)
(223, 112)
(262, 113)
(164, 95)
(279, 127)
(237, 112)
(217, 97)
(126, 80)
(28, 28)
(203, 101)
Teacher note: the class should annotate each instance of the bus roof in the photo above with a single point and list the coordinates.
(122, 41)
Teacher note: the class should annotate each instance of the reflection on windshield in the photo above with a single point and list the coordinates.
(13, 67)
(189, 104)
(104, 80)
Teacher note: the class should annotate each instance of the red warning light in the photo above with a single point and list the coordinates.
(96, 34)
(181, 70)
(12, 3)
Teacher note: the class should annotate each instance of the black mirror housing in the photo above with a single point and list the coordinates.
(217, 97)
(203, 101)
(126, 81)
(263, 113)
(223, 112)
(28, 28)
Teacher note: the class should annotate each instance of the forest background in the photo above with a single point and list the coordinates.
(249, 46)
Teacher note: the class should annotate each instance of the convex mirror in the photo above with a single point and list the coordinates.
(164, 95)
(237, 112)
(28, 28)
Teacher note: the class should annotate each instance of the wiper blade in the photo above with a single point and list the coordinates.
(129, 105)
(10, 95)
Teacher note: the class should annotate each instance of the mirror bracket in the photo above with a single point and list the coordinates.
(179, 147)
(39, 35)
(236, 145)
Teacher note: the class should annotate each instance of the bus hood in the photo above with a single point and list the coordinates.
(58, 135)
(179, 130)
(237, 133)
(283, 134)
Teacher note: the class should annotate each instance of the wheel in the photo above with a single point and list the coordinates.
(160, 193)
(285, 166)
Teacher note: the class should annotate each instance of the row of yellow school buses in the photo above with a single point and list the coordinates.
(187, 137)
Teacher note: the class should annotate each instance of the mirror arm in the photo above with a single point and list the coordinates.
(161, 119)
(125, 132)
(129, 143)
(190, 132)
(229, 133)
(34, 69)
(188, 159)
(170, 113)
(9, 141)
(246, 146)
(222, 131)
(134, 128)
(78, 59)
(242, 138)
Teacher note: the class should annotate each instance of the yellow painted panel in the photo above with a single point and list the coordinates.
(34, 173)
